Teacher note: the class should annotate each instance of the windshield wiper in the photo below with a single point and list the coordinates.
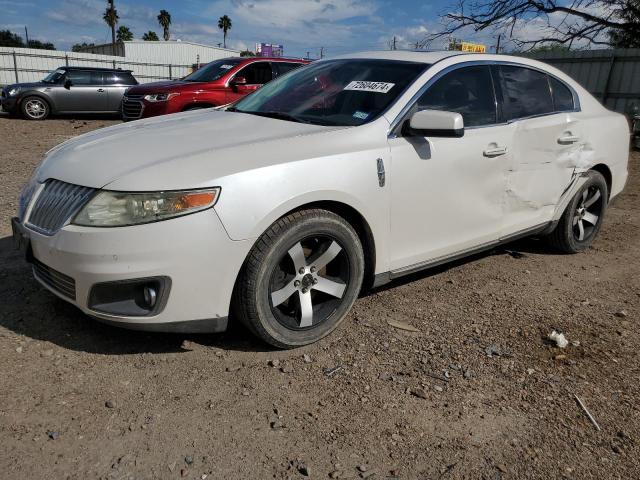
(273, 114)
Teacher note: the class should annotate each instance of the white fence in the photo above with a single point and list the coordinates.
(31, 65)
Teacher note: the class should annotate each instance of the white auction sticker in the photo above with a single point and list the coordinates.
(364, 86)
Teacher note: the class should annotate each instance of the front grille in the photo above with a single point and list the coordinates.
(132, 106)
(57, 203)
(61, 283)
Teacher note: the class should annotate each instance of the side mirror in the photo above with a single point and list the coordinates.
(434, 123)
(239, 81)
(67, 84)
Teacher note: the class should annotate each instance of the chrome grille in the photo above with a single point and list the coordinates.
(58, 202)
(132, 106)
(61, 283)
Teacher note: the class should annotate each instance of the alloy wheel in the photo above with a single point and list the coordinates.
(587, 213)
(308, 284)
(35, 108)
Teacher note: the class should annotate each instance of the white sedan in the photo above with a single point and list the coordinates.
(343, 174)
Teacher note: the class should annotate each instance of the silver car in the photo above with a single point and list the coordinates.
(69, 90)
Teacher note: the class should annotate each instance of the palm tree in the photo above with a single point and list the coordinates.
(124, 34)
(224, 24)
(150, 36)
(111, 18)
(164, 19)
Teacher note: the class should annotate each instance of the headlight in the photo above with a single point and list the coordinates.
(160, 97)
(14, 91)
(117, 209)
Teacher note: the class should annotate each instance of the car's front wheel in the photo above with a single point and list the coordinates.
(300, 279)
(35, 108)
(581, 221)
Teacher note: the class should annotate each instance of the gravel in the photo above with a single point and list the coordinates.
(492, 418)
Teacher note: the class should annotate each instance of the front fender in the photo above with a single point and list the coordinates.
(252, 200)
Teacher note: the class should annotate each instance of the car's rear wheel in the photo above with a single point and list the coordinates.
(581, 221)
(300, 279)
(35, 108)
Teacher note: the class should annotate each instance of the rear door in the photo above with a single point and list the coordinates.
(546, 139)
(85, 94)
(256, 74)
(115, 84)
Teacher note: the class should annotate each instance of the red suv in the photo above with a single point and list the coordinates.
(217, 83)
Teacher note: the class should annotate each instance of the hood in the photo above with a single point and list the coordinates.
(165, 86)
(184, 150)
(27, 86)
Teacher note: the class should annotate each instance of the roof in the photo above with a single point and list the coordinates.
(409, 56)
(98, 69)
(177, 42)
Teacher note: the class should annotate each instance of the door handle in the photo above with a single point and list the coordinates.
(568, 139)
(101, 90)
(494, 152)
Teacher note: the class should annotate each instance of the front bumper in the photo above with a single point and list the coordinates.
(193, 251)
(8, 104)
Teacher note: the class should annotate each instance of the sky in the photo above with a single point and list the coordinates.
(338, 26)
(302, 26)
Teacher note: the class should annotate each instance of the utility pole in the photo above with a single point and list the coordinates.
(308, 55)
(26, 34)
(394, 43)
(113, 26)
(498, 45)
(321, 52)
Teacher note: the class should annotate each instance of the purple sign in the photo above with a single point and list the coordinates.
(269, 50)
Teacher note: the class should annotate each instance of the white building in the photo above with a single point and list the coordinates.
(175, 52)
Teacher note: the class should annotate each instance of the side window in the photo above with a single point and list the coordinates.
(97, 78)
(257, 73)
(525, 92)
(467, 91)
(283, 67)
(562, 96)
(119, 78)
(79, 77)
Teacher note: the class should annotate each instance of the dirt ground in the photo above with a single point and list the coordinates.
(475, 392)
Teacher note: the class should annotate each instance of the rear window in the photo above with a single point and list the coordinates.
(213, 70)
(525, 92)
(562, 96)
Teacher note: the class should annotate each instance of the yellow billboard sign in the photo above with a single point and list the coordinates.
(473, 47)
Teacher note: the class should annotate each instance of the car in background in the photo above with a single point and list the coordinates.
(69, 90)
(218, 83)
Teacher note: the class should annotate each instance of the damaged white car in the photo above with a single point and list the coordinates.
(346, 173)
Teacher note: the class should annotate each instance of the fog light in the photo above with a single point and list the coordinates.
(150, 296)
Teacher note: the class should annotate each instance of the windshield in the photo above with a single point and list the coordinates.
(54, 77)
(212, 71)
(333, 92)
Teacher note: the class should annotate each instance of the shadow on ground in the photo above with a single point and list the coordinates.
(29, 309)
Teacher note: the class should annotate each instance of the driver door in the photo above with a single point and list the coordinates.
(447, 193)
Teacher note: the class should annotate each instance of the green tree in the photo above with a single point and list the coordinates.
(627, 38)
(247, 53)
(79, 47)
(111, 18)
(10, 39)
(150, 36)
(41, 45)
(124, 34)
(224, 24)
(164, 19)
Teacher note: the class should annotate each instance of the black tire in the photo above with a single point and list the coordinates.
(566, 235)
(196, 107)
(28, 110)
(271, 268)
